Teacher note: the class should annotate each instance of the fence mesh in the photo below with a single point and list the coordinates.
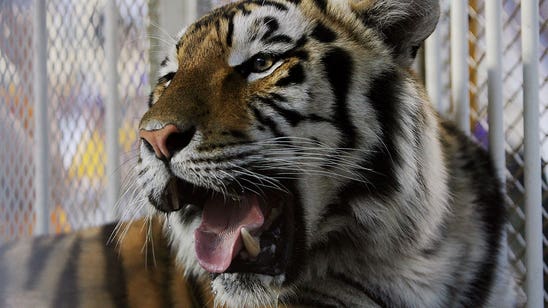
(77, 90)
(76, 108)
(16, 122)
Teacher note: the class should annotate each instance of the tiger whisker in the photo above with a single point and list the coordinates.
(164, 31)
(274, 184)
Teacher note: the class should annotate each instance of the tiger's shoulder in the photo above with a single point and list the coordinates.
(90, 268)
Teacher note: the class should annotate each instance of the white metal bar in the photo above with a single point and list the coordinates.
(172, 17)
(493, 33)
(112, 109)
(459, 63)
(495, 108)
(41, 130)
(175, 15)
(532, 173)
(432, 47)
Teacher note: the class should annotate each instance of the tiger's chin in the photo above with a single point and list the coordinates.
(246, 241)
(248, 290)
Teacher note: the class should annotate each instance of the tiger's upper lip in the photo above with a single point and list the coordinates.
(178, 193)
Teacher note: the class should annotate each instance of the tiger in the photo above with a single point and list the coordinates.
(290, 157)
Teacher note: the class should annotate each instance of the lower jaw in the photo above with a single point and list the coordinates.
(247, 290)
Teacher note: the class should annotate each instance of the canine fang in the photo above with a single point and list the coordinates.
(251, 244)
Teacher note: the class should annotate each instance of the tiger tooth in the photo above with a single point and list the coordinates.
(174, 196)
(251, 244)
(275, 213)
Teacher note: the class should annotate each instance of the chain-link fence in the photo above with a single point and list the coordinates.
(77, 91)
(76, 103)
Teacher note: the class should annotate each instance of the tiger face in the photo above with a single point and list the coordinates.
(264, 122)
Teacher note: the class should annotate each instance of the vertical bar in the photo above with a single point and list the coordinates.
(173, 16)
(459, 63)
(532, 173)
(432, 48)
(154, 34)
(493, 33)
(176, 14)
(41, 133)
(112, 109)
(495, 107)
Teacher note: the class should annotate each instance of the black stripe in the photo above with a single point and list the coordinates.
(277, 5)
(380, 299)
(167, 77)
(296, 2)
(237, 134)
(316, 118)
(292, 117)
(383, 97)
(295, 76)
(164, 62)
(301, 42)
(152, 200)
(272, 24)
(267, 121)
(323, 34)
(242, 7)
(281, 38)
(218, 26)
(230, 157)
(142, 172)
(196, 292)
(204, 22)
(490, 207)
(339, 68)
(230, 31)
(151, 99)
(67, 293)
(321, 4)
(278, 97)
(297, 52)
(414, 51)
(320, 299)
(216, 146)
(40, 252)
(116, 278)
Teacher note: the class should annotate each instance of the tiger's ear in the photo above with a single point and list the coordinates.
(403, 24)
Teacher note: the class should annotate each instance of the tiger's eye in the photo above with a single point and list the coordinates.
(262, 63)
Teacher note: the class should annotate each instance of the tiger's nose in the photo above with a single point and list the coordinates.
(166, 141)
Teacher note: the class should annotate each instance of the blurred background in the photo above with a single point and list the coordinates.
(61, 179)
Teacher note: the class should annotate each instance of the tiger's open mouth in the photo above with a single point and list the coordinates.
(243, 233)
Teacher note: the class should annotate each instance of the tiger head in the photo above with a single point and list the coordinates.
(265, 116)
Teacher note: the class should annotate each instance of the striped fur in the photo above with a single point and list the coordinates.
(310, 102)
(88, 269)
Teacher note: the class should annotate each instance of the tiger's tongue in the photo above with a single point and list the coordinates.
(217, 240)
